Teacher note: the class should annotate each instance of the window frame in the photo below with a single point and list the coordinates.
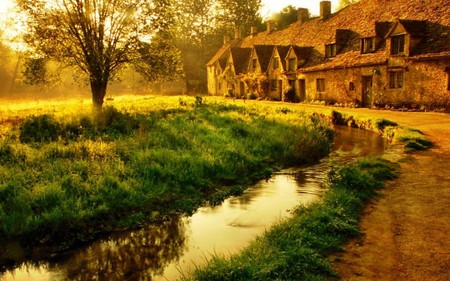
(254, 64)
(320, 85)
(292, 64)
(276, 63)
(396, 79)
(447, 69)
(367, 48)
(330, 50)
(398, 44)
(274, 85)
(351, 86)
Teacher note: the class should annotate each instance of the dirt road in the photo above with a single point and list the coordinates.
(406, 232)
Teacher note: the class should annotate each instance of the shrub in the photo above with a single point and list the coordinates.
(43, 128)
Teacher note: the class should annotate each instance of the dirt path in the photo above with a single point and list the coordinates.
(406, 232)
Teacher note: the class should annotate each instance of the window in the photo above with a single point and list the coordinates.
(396, 79)
(320, 85)
(330, 50)
(276, 63)
(254, 64)
(398, 44)
(274, 84)
(447, 69)
(367, 45)
(292, 65)
(351, 86)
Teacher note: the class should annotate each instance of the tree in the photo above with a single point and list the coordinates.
(197, 33)
(97, 36)
(345, 3)
(286, 16)
(241, 14)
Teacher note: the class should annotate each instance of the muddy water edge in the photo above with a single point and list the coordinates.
(165, 251)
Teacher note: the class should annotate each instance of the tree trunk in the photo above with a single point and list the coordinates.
(98, 89)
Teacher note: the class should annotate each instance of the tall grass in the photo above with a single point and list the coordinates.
(296, 249)
(67, 178)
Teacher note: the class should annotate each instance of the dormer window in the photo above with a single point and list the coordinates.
(367, 45)
(330, 50)
(397, 44)
(292, 65)
(254, 64)
(276, 63)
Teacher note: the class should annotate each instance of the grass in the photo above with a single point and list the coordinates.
(67, 176)
(297, 248)
(412, 139)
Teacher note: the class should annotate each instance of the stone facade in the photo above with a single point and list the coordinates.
(375, 52)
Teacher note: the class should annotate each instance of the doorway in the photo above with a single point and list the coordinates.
(302, 89)
(367, 88)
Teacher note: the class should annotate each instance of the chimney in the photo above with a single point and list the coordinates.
(270, 25)
(253, 30)
(226, 39)
(325, 9)
(302, 15)
(237, 33)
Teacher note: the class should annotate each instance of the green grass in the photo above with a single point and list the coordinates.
(413, 139)
(68, 177)
(297, 248)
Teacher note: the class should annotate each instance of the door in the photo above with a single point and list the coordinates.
(280, 89)
(367, 94)
(302, 89)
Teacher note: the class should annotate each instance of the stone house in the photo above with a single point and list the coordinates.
(374, 52)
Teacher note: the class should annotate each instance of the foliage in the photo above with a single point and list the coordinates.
(74, 175)
(297, 249)
(413, 139)
(289, 95)
(286, 16)
(35, 71)
(345, 3)
(241, 14)
(42, 128)
(159, 60)
(257, 83)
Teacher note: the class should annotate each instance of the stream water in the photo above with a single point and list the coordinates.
(164, 252)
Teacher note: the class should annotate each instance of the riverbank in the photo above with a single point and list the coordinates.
(296, 249)
(68, 178)
(405, 230)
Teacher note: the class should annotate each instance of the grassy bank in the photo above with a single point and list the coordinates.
(412, 139)
(296, 249)
(66, 176)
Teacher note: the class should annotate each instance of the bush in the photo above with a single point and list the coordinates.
(42, 128)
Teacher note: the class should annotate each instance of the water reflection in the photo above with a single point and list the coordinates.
(161, 252)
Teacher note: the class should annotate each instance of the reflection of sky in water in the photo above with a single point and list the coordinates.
(160, 252)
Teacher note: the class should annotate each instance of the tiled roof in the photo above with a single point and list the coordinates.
(223, 51)
(241, 57)
(428, 20)
(264, 54)
(283, 51)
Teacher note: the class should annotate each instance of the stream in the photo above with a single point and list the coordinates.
(176, 247)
